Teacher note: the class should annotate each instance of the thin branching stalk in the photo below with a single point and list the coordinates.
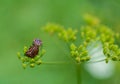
(56, 63)
(78, 71)
(97, 61)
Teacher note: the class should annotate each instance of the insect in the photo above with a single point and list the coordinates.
(34, 49)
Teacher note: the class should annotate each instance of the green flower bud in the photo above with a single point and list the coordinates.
(38, 62)
(72, 53)
(32, 65)
(37, 57)
(114, 47)
(106, 60)
(115, 58)
(22, 59)
(111, 41)
(108, 55)
(74, 38)
(91, 20)
(83, 59)
(77, 59)
(65, 37)
(26, 59)
(76, 53)
(18, 54)
(105, 50)
(85, 44)
(52, 28)
(25, 49)
(24, 65)
(118, 53)
(43, 52)
(88, 39)
(87, 58)
(103, 39)
(106, 44)
(32, 60)
(80, 47)
(73, 47)
(84, 53)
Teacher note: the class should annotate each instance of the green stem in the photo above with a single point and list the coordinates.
(96, 61)
(55, 62)
(78, 70)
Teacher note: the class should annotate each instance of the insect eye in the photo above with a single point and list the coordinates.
(37, 42)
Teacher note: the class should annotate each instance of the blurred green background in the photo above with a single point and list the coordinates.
(21, 22)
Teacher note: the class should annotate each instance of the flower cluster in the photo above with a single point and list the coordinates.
(91, 20)
(78, 42)
(68, 34)
(92, 33)
(52, 28)
(65, 34)
(107, 38)
(80, 53)
(110, 49)
(32, 59)
(88, 35)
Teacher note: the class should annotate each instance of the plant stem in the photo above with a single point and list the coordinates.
(55, 62)
(78, 70)
(96, 61)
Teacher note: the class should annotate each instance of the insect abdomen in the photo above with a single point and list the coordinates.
(32, 52)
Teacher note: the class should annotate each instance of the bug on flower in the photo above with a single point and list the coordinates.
(34, 49)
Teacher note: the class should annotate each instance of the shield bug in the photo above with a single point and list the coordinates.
(34, 49)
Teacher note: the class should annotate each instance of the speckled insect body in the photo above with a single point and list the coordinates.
(34, 49)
